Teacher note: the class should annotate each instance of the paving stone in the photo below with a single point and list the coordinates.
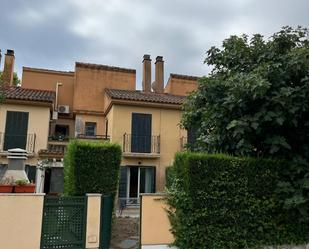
(128, 243)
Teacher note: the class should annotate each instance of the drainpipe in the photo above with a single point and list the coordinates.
(57, 92)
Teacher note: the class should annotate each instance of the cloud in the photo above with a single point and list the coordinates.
(55, 34)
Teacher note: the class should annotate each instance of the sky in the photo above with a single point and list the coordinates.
(53, 34)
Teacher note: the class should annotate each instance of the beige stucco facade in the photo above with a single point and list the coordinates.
(21, 221)
(165, 123)
(154, 215)
(38, 124)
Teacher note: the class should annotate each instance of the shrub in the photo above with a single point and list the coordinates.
(91, 167)
(169, 176)
(229, 202)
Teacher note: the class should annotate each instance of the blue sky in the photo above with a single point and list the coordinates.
(54, 34)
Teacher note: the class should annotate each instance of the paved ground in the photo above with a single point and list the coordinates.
(125, 232)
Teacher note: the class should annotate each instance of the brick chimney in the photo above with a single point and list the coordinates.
(8, 70)
(158, 84)
(146, 73)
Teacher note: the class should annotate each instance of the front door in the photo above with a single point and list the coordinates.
(141, 133)
(16, 129)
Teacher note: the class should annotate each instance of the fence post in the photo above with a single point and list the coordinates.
(92, 235)
(106, 221)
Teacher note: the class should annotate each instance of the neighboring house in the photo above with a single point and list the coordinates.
(24, 119)
(101, 102)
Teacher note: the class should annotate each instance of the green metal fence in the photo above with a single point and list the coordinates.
(64, 223)
(106, 221)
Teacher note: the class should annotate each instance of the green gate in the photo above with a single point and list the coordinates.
(64, 223)
(106, 221)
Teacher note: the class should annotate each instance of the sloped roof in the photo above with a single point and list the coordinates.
(20, 93)
(136, 95)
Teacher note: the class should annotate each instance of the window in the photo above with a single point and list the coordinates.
(90, 129)
(61, 132)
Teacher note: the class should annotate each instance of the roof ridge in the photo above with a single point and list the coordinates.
(48, 70)
(184, 76)
(102, 66)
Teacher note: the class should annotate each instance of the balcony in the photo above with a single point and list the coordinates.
(57, 145)
(26, 142)
(141, 146)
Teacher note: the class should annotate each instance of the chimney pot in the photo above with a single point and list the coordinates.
(10, 52)
(146, 57)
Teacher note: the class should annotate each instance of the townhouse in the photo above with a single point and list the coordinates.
(100, 102)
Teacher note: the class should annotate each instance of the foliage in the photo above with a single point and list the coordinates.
(255, 103)
(21, 182)
(16, 80)
(222, 201)
(91, 167)
(169, 174)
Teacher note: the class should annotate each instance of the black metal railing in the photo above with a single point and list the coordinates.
(141, 144)
(11, 141)
(94, 137)
(183, 143)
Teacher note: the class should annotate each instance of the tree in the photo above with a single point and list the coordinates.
(255, 102)
(16, 80)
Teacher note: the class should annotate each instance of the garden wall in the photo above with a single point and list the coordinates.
(21, 220)
(154, 224)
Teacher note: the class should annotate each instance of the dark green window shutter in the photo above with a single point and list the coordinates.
(123, 182)
(16, 129)
(141, 133)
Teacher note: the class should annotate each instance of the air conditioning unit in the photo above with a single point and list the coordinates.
(64, 109)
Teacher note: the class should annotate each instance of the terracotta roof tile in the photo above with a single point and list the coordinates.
(145, 96)
(20, 93)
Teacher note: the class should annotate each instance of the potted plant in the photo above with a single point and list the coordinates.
(23, 186)
(7, 185)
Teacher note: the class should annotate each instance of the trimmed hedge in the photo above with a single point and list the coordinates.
(91, 167)
(228, 202)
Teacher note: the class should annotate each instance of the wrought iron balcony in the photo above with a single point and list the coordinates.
(95, 137)
(10, 141)
(141, 144)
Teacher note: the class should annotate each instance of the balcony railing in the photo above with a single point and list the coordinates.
(95, 137)
(26, 142)
(141, 144)
(183, 143)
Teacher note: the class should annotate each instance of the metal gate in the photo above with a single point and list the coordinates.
(106, 221)
(64, 223)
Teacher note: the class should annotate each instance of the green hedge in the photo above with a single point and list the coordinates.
(91, 167)
(228, 202)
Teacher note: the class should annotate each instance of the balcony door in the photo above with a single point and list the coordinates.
(141, 133)
(16, 129)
